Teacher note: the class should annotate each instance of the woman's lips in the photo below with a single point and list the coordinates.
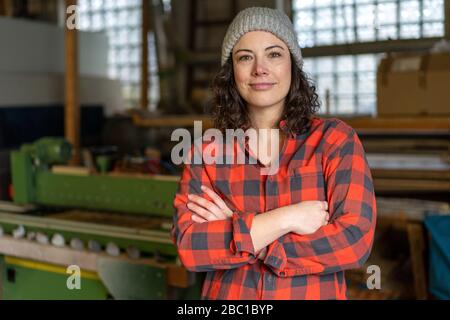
(262, 86)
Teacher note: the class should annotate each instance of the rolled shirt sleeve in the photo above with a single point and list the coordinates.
(212, 245)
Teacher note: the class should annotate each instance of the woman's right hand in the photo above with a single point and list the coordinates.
(307, 217)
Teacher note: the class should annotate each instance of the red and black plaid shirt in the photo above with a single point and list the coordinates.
(327, 163)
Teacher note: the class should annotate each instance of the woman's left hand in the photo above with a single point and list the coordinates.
(205, 210)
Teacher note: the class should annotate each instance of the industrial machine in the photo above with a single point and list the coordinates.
(72, 234)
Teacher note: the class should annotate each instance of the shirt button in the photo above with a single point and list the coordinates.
(282, 273)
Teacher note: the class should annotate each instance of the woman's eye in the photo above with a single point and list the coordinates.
(274, 54)
(244, 58)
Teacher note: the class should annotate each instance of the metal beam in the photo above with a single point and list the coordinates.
(371, 47)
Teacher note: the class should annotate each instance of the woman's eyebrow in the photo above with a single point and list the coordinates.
(246, 50)
(268, 48)
(275, 46)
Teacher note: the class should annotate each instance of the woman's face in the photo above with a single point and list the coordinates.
(262, 69)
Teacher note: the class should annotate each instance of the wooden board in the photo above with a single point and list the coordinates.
(112, 219)
(416, 238)
(417, 162)
(71, 170)
(409, 173)
(399, 124)
(413, 186)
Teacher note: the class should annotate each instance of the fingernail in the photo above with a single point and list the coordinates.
(202, 187)
(189, 196)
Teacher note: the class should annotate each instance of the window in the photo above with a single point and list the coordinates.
(346, 84)
(121, 20)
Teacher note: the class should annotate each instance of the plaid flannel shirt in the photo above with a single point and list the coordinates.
(326, 163)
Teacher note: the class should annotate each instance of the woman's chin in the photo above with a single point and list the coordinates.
(263, 99)
(262, 103)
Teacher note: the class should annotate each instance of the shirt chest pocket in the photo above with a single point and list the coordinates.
(307, 183)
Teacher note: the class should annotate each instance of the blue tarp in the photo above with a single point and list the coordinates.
(439, 262)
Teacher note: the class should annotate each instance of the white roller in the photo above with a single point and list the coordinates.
(42, 238)
(94, 246)
(112, 249)
(76, 244)
(58, 240)
(19, 232)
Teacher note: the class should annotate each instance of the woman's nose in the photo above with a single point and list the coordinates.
(259, 68)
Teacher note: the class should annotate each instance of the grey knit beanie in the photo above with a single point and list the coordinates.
(262, 19)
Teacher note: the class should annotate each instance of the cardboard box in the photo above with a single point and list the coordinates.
(414, 85)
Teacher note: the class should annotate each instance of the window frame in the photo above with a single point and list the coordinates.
(130, 85)
(373, 47)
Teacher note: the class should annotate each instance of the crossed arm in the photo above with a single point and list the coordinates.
(210, 236)
(265, 228)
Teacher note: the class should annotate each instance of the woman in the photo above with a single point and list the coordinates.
(288, 235)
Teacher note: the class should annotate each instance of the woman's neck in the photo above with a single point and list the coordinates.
(265, 117)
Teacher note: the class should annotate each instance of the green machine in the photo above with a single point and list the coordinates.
(72, 235)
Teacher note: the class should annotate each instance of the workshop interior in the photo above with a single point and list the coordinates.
(92, 90)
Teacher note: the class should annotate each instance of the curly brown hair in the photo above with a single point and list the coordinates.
(229, 108)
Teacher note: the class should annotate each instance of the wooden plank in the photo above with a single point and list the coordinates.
(400, 124)
(72, 103)
(21, 248)
(71, 170)
(417, 250)
(408, 161)
(158, 177)
(410, 174)
(402, 185)
(171, 122)
(410, 209)
(424, 145)
(144, 54)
